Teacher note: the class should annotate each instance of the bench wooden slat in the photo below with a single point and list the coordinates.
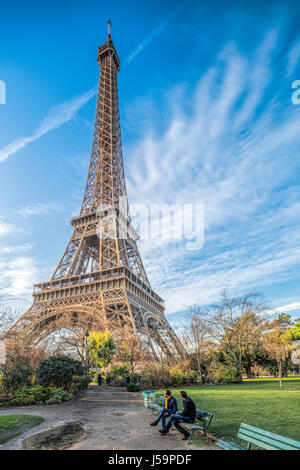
(155, 406)
(261, 443)
(192, 426)
(269, 437)
(229, 445)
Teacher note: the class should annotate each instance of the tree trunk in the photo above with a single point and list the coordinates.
(280, 372)
(199, 369)
(286, 365)
(238, 369)
(248, 371)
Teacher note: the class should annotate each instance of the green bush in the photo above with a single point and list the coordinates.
(59, 371)
(15, 377)
(38, 395)
(225, 374)
(59, 395)
(79, 383)
(116, 374)
(31, 395)
(131, 387)
(153, 376)
(182, 376)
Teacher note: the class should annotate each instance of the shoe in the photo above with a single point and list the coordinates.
(154, 423)
(186, 436)
(163, 431)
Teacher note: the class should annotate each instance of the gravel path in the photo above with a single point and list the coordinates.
(113, 419)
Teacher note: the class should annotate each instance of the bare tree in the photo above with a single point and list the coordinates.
(70, 342)
(235, 325)
(195, 336)
(7, 317)
(129, 348)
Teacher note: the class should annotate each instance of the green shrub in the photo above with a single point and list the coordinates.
(225, 374)
(58, 371)
(115, 374)
(59, 395)
(31, 395)
(121, 370)
(38, 395)
(79, 383)
(15, 377)
(182, 376)
(153, 376)
(131, 387)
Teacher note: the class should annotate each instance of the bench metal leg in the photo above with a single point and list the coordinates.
(191, 437)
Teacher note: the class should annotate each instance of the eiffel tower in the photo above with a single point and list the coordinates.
(100, 282)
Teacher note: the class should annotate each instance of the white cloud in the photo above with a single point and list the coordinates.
(293, 58)
(237, 157)
(38, 208)
(6, 229)
(57, 115)
(16, 248)
(19, 274)
(288, 308)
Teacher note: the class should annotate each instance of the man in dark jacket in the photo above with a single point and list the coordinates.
(187, 415)
(169, 409)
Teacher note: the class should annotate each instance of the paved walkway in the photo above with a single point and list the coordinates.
(113, 419)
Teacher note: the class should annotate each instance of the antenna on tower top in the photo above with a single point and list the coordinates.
(109, 25)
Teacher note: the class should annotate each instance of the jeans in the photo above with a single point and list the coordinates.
(162, 417)
(176, 419)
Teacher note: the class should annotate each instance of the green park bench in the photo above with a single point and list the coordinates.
(203, 418)
(263, 439)
(202, 421)
(157, 406)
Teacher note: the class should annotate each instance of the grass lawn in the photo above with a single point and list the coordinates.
(258, 402)
(12, 425)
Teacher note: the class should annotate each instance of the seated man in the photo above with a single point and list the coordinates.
(169, 409)
(187, 415)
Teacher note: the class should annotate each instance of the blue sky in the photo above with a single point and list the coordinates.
(207, 117)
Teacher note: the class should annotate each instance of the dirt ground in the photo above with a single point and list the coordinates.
(113, 419)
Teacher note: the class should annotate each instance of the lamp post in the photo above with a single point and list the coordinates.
(86, 335)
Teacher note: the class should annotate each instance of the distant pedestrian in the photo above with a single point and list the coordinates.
(99, 379)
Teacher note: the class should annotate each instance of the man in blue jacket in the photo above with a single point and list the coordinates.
(169, 409)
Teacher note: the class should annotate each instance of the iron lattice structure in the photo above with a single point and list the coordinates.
(100, 281)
